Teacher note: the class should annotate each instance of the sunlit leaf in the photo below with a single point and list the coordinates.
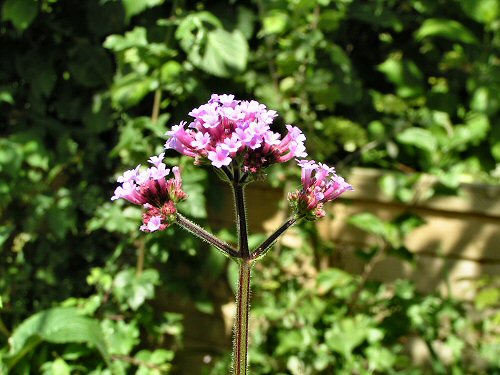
(57, 325)
(445, 28)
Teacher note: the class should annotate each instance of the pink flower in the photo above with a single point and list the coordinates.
(226, 130)
(201, 141)
(219, 157)
(154, 192)
(232, 144)
(320, 184)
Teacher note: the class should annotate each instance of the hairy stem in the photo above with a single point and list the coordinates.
(240, 349)
(264, 247)
(199, 232)
(241, 215)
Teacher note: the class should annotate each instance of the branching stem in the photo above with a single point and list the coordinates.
(199, 232)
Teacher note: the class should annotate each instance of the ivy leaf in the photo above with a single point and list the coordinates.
(444, 28)
(20, 12)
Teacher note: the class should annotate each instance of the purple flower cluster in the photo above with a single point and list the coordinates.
(154, 192)
(226, 130)
(320, 184)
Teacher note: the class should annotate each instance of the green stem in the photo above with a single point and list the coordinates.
(240, 349)
(241, 215)
(199, 232)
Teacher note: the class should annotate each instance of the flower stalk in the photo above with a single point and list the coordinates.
(240, 349)
(235, 137)
(201, 233)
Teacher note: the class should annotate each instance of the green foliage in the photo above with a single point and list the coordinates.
(58, 325)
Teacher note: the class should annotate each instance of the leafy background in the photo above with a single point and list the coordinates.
(88, 89)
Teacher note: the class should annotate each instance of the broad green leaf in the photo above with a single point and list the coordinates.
(445, 28)
(419, 138)
(59, 326)
(20, 12)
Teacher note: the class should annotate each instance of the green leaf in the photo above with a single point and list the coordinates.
(474, 131)
(226, 53)
(59, 326)
(135, 38)
(404, 74)
(419, 138)
(347, 334)
(274, 22)
(133, 7)
(121, 336)
(211, 48)
(131, 89)
(135, 289)
(369, 223)
(484, 11)
(331, 279)
(445, 28)
(20, 12)
(154, 363)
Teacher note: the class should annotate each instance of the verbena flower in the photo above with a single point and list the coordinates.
(320, 184)
(226, 130)
(154, 192)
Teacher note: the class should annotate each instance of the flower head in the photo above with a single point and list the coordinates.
(151, 189)
(226, 130)
(320, 184)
